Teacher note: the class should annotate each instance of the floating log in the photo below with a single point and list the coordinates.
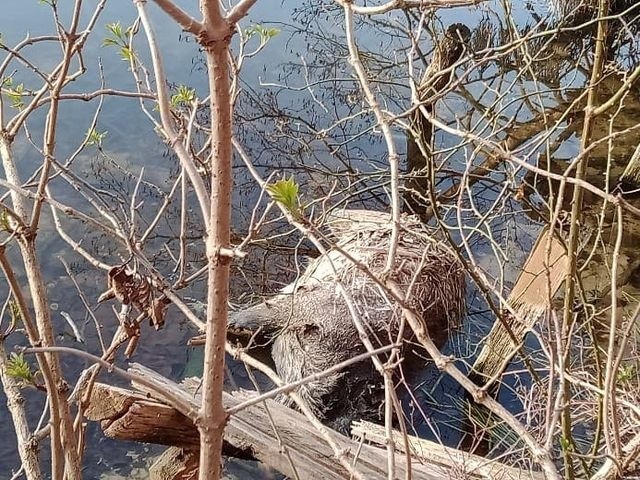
(270, 432)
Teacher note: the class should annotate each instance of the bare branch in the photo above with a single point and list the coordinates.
(407, 4)
(182, 18)
(383, 122)
(239, 11)
(167, 122)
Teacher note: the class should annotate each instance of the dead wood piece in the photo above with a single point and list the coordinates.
(291, 444)
(175, 464)
(109, 403)
(126, 415)
(277, 436)
(434, 82)
(447, 52)
(467, 465)
(163, 425)
(540, 279)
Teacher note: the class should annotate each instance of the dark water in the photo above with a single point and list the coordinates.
(278, 120)
(130, 145)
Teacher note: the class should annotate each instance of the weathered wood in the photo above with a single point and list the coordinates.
(175, 464)
(540, 279)
(279, 437)
(128, 415)
(631, 174)
(467, 465)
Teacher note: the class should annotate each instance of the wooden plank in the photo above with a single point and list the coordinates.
(468, 466)
(540, 279)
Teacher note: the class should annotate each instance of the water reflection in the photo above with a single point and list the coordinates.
(529, 100)
(301, 113)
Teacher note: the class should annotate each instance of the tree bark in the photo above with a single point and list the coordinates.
(213, 417)
(27, 450)
(64, 456)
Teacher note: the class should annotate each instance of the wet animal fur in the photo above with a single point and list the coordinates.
(309, 327)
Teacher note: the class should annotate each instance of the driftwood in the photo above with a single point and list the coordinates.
(175, 464)
(540, 279)
(467, 465)
(272, 433)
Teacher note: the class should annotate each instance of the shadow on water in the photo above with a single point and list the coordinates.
(292, 129)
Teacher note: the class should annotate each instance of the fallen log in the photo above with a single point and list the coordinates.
(272, 433)
(468, 466)
(129, 415)
(277, 436)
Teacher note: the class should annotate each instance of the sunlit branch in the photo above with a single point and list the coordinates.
(186, 21)
(406, 4)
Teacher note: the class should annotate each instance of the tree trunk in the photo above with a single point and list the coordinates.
(213, 416)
